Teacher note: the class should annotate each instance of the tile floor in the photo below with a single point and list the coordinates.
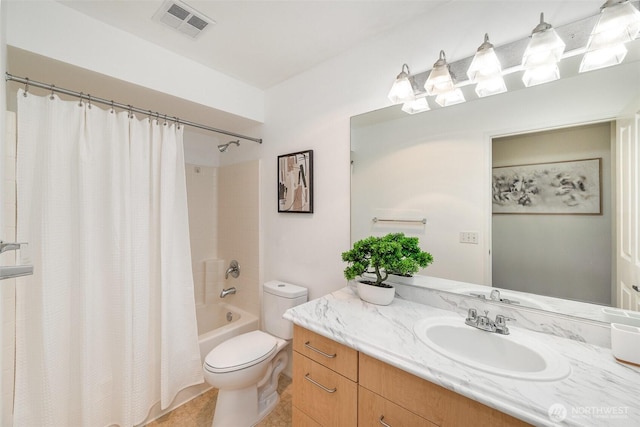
(199, 411)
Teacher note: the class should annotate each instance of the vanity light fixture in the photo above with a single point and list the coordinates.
(402, 90)
(619, 23)
(540, 59)
(440, 83)
(485, 70)
(418, 105)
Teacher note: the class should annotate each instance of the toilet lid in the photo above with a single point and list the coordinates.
(240, 352)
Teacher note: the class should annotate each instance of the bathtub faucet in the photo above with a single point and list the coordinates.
(234, 270)
(226, 292)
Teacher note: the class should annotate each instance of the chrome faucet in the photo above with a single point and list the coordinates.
(484, 323)
(494, 296)
(226, 292)
(234, 270)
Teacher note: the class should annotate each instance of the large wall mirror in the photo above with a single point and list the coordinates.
(440, 166)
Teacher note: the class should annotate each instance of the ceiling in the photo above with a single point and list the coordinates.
(263, 42)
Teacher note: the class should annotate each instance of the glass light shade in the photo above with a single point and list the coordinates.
(402, 90)
(545, 49)
(452, 97)
(485, 70)
(618, 23)
(485, 64)
(490, 87)
(540, 75)
(602, 58)
(440, 80)
(418, 105)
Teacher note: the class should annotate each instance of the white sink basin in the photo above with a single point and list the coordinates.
(518, 355)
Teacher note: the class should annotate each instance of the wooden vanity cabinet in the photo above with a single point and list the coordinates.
(434, 403)
(325, 387)
(334, 385)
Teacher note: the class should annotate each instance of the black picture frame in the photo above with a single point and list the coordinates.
(295, 182)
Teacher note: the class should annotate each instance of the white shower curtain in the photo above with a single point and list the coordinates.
(106, 326)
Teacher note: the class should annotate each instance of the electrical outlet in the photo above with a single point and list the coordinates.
(469, 237)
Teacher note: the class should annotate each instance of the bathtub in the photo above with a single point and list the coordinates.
(219, 322)
(213, 329)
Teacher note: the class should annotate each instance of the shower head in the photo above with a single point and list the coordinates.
(223, 147)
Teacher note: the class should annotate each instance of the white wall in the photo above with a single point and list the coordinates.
(48, 28)
(3, 68)
(202, 201)
(239, 233)
(8, 286)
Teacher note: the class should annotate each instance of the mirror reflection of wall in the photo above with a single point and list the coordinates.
(437, 165)
(536, 252)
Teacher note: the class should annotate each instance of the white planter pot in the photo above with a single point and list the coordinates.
(376, 294)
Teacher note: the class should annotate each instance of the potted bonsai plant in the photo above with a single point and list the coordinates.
(391, 254)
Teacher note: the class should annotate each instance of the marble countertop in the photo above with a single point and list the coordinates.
(599, 391)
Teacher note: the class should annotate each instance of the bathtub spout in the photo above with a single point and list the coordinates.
(226, 292)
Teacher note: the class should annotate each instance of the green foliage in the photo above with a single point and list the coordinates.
(391, 254)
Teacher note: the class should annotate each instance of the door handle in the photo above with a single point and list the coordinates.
(635, 288)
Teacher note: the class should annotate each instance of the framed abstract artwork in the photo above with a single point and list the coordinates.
(557, 188)
(295, 182)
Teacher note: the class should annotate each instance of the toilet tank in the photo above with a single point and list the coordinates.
(277, 298)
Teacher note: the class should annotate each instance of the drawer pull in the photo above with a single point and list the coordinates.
(328, 390)
(310, 347)
(382, 421)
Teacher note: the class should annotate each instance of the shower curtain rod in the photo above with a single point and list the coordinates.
(28, 82)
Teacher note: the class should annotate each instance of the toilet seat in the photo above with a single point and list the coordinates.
(241, 352)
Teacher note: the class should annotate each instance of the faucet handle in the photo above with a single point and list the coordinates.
(472, 314)
(502, 320)
(501, 324)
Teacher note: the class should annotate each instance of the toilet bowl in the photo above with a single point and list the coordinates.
(246, 368)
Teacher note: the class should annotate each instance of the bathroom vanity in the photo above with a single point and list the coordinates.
(335, 385)
(361, 364)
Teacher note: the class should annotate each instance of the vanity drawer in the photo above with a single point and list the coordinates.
(327, 397)
(433, 402)
(327, 352)
(373, 410)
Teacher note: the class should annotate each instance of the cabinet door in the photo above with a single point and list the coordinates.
(376, 411)
(433, 402)
(322, 394)
(327, 352)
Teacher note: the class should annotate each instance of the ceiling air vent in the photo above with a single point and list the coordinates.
(181, 17)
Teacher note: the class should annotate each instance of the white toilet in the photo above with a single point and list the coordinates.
(246, 368)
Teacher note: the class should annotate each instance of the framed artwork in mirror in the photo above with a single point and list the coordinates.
(295, 182)
(555, 188)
